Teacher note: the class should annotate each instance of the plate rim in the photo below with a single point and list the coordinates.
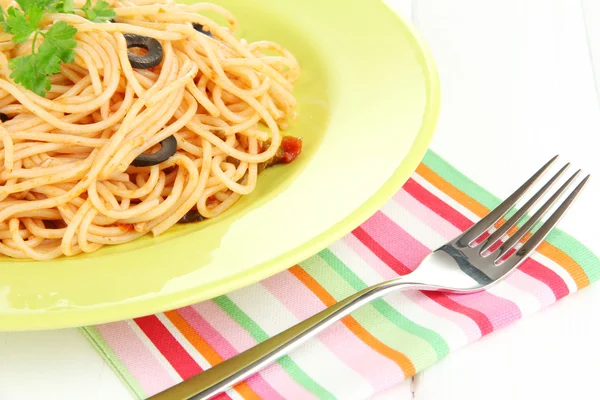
(303, 251)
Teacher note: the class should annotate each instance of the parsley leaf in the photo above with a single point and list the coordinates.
(25, 4)
(65, 7)
(28, 71)
(22, 23)
(48, 60)
(33, 71)
(35, 13)
(18, 25)
(100, 12)
(60, 40)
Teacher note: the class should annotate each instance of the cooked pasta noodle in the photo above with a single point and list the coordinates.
(72, 178)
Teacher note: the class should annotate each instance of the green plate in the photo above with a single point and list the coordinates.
(368, 104)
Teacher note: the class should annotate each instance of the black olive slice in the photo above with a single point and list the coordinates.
(168, 147)
(4, 117)
(200, 28)
(149, 60)
(192, 216)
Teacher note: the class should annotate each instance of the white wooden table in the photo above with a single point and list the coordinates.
(518, 80)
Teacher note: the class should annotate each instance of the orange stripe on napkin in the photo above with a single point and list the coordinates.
(206, 350)
(403, 362)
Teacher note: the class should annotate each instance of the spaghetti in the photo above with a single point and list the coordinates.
(71, 175)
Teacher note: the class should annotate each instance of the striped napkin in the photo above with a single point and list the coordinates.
(379, 345)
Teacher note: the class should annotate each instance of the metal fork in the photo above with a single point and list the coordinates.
(467, 264)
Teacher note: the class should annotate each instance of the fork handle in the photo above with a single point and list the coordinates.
(223, 376)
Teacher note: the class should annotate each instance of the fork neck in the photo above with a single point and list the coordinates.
(448, 269)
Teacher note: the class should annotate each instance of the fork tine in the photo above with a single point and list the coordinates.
(494, 216)
(500, 232)
(516, 238)
(536, 239)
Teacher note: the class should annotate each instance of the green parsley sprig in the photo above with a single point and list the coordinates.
(33, 71)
